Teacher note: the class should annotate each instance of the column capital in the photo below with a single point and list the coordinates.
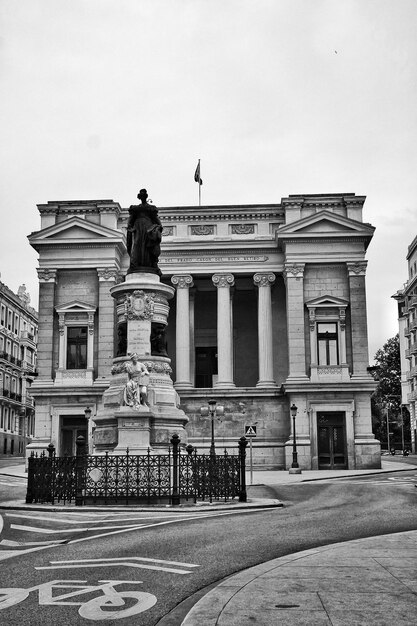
(223, 280)
(182, 281)
(357, 268)
(107, 273)
(294, 270)
(46, 275)
(264, 279)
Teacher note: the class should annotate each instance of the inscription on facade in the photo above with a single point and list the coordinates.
(139, 337)
(215, 259)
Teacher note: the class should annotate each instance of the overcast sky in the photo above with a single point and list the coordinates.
(276, 97)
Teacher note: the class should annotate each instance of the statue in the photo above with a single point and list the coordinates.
(144, 234)
(158, 340)
(136, 390)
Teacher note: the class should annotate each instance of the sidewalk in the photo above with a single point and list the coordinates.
(366, 582)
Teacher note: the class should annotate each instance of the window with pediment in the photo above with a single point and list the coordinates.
(76, 343)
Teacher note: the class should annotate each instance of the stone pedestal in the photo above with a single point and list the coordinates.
(141, 303)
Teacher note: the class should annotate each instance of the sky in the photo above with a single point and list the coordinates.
(103, 97)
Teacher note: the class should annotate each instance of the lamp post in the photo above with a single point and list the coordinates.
(212, 411)
(87, 413)
(295, 468)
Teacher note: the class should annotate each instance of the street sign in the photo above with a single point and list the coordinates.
(250, 431)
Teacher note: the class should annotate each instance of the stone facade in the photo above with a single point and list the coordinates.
(269, 311)
(18, 339)
(407, 323)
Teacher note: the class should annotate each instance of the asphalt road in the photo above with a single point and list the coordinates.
(175, 555)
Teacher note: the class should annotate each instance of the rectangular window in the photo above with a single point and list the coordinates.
(77, 347)
(10, 320)
(16, 324)
(3, 315)
(327, 341)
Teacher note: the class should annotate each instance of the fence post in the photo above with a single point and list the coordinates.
(243, 442)
(175, 440)
(31, 478)
(50, 474)
(79, 470)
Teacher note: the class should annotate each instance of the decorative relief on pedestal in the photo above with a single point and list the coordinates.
(242, 229)
(357, 269)
(264, 280)
(182, 282)
(294, 270)
(152, 366)
(168, 231)
(107, 273)
(223, 280)
(46, 275)
(202, 230)
(139, 306)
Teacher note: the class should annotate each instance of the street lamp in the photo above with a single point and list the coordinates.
(212, 411)
(87, 413)
(295, 468)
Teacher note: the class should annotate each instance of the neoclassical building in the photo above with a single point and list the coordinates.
(269, 311)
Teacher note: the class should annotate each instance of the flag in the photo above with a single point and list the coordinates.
(197, 174)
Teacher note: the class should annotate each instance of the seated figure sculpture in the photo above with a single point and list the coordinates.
(136, 390)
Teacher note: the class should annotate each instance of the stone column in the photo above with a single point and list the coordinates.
(293, 274)
(47, 282)
(224, 282)
(183, 284)
(359, 330)
(264, 281)
(107, 278)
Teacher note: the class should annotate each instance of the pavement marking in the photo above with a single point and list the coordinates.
(54, 531)
(1, 523)
(158, 564)
(87, 521)
(10, 543)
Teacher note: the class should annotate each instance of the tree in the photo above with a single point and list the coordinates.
(386, 400)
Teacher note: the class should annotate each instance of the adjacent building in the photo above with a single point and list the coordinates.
(269, 312)
(18, 340)
(406, 298)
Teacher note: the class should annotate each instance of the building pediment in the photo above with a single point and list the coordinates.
(324, 225)
(75, 306)
(326, 301)
(74, 230)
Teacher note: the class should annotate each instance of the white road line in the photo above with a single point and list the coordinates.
(1, 523)
(158, 568)
(10, 543)
(125, 558)
(53, 531)
(88, 521)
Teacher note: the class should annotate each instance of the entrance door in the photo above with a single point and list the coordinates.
(72, 427)
(331, 435)
(205, 366)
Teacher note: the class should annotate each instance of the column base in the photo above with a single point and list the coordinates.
(181, 384)
(224, 385)
(267, 383)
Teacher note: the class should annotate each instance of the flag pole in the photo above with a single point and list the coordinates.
(199, 184)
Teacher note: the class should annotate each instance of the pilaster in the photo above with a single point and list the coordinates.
(294, 282)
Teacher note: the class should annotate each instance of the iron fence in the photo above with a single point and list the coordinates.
(178, 476)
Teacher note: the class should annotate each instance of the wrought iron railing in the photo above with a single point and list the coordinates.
(177, 476)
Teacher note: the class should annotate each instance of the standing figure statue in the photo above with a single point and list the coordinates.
(136, 390)
(144, 234)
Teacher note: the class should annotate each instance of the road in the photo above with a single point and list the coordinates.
(166, 557)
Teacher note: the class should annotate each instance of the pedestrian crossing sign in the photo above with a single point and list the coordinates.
(250, 431)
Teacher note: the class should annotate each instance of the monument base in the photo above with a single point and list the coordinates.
(134, 429)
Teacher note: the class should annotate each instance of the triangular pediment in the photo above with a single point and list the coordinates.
(74, 229)
(75, 306)
(327, 301)
(325, 222)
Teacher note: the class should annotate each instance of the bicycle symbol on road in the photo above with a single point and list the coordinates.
(97, 609)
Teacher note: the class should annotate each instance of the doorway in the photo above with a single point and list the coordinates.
(205, 366)
(72, 427)
(331, 435)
